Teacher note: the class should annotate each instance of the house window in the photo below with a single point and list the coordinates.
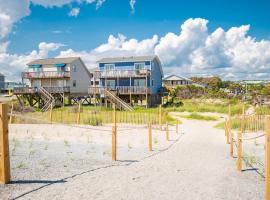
(139, 66)
(74, 83)
(92, 82)
(109, 67)
(110, 83)
(37, 69)
(74, 68)
(139, 82)
(152, 82)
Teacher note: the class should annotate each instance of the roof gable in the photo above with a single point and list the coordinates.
(53, 61)
(126, 59)
(176, 78)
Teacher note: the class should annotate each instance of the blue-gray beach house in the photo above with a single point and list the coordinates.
(128, 81)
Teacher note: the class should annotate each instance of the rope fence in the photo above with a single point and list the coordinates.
(249, 139)
(109, 122)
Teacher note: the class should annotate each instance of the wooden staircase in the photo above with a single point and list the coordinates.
(119, 103)
(47, 98)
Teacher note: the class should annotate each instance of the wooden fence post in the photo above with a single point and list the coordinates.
(231, 144)
(79, 114)
(239, 151)
(167, 132)
(267, 158)
(4, 145)
(51, 113)
(11, 112)
(150, 146)
(114, 139)
(159, 118)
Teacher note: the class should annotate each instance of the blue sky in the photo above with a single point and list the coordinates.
(92, 27)
(226, 38)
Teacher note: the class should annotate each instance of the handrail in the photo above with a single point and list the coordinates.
(27, 90)
(120, 89)
(118, 100)
(121, 73)
(50, 99)
(46, 74)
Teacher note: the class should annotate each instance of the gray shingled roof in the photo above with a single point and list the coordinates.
(127, 59)
(52, 61)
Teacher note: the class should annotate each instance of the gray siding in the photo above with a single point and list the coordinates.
(81, 76)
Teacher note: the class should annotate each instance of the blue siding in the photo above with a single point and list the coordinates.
(156, 75)
(124, 81)
(125, 65)
(154, 66)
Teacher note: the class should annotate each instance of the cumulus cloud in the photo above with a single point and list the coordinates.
(74, 12)
(13, 64)
(231, 54)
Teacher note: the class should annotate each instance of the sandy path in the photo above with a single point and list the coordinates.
(197, 166)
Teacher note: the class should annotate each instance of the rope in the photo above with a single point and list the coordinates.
(56, 123)
(252, 138)
(76, 126)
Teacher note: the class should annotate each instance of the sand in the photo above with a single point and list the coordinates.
(75, 163)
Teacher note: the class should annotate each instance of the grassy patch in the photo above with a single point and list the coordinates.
(200, 117)
(207, 106)
(262, 110)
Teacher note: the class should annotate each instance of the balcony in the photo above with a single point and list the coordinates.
(120, 90)
(33, 90)
(121, 73)
(52, 74)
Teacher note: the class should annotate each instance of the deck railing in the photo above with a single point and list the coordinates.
(32, 90)
(121, 73)
(121, 90)
(52, 74)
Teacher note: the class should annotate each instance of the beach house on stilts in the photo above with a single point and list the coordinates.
(128, 81)
(52, 81)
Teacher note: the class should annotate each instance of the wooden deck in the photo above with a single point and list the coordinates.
(121, 73)
(121, 90)
(51, 74)
(33, 90)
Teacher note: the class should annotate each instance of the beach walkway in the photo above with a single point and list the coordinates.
(197, 166)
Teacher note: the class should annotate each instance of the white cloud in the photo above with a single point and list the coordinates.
(74, 12)
(132, 5)
(12, 11)
(13, 64)
(194, 50)
(45, 48)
